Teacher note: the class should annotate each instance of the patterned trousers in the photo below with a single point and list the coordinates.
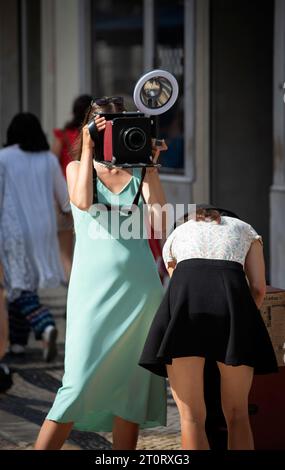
(26, 313)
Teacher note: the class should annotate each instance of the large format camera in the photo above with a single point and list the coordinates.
(127, 138)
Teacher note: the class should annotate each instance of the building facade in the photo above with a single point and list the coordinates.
(226, 134)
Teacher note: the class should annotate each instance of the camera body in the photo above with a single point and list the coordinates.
(126, 140)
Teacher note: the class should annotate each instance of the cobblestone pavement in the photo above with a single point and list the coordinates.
(24, 407)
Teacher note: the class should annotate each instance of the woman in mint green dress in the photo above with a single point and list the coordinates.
(113, 295)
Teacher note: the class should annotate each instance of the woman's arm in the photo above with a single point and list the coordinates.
(168, 255)
(255, 272)
(79, 175)
(154, 196)
(171, 265)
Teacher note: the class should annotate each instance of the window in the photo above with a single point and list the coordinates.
(169, 50)
(117, 47)
(117, 38)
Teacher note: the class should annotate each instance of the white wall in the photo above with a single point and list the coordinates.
(65, 58)
(9, 66)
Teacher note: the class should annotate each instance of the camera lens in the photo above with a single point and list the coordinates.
(134, 138)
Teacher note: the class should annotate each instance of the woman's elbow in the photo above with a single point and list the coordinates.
(258, 291)
(80, 204)
(83, 207)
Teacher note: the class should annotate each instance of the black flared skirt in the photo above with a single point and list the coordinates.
(208, 311)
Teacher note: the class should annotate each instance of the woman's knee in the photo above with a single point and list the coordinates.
(194, 416)
(235, 414)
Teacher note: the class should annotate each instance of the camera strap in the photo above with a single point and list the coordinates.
(136, 198)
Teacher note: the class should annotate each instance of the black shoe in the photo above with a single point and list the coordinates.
(6, 381)
(17, 349)
(49, 337)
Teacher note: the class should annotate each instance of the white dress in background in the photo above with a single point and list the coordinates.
(29, 250)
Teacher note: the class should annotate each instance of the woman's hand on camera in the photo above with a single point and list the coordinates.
(157, 147)
(100, 122)
(87, 142)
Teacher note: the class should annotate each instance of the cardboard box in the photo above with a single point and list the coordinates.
(267, 392)
(273, 314)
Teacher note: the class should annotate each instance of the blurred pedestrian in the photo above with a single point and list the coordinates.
(30, 179)
(3, 315)
(113, 293)
(5, 373)
(3, 323)
(64, 147)
(210, 312)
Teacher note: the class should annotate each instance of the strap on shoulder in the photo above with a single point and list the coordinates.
(94, 181)
(139, 191)
(136, 198)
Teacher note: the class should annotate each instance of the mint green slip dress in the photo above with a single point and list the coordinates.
(113, 295)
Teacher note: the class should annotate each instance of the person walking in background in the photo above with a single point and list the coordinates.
(64, 147)
(30, 179)
(113, 294)
(3, 318)
(210, 312)
(5, 373)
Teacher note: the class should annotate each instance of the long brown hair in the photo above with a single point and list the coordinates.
(208, 215)
(94, 108)
(79, 108)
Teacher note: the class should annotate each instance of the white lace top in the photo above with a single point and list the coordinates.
(230, 240)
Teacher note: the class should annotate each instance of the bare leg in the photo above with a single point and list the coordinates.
(187, 385)
(125, 434)
(235, 387)
(66, 249)
(52, 435)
